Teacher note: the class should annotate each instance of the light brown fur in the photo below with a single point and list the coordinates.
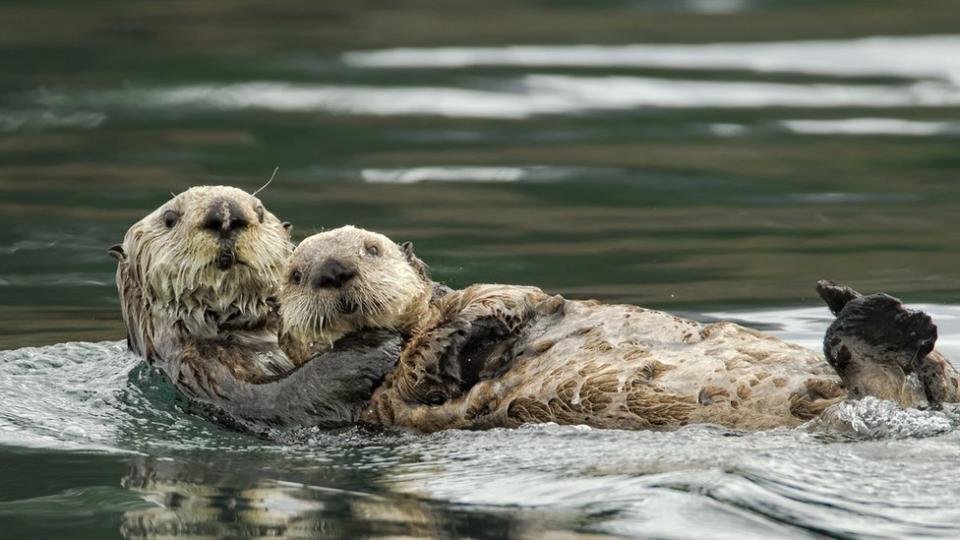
(390, 292)
(608, 366)
(503, 355)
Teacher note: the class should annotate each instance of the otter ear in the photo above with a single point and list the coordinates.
(415, 262)
(287, 226)
(116, 251)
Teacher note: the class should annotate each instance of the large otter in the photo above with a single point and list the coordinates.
(197, 280)
(501, 355)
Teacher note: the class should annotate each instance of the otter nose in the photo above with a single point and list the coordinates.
(224, 218)
(332, 274)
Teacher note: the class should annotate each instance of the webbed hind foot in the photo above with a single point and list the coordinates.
(876, 343)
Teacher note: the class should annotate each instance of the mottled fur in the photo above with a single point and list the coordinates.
(503, 355)
(608, 366)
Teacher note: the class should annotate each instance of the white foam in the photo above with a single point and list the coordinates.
(872, 418)
(935, 56)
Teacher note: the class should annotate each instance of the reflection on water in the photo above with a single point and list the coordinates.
(525, 97)
(710, 157)
(193, 500)
(466, 174)
(872, 126)
(26, 120)
(901, 56)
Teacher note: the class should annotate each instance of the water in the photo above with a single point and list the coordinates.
(709, 157)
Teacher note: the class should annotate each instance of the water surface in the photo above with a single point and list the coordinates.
(709, 157)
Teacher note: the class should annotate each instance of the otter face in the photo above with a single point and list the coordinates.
(346, 279)
(211, 256)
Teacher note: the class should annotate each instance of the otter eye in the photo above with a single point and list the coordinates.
(259, 210)
(170, 218)
(373, 250)
(295, 277)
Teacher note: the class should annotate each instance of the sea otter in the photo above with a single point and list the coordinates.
(197, 280)
(503, 355)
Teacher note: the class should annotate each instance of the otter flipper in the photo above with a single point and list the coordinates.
(876, 343)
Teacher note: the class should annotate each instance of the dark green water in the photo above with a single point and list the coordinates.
(597, 149)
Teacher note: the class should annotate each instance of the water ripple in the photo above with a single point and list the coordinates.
(530, 95)
(875, 470)
(902, 56)
(872, 126)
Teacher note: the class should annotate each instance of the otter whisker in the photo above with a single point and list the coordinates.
(263, 187)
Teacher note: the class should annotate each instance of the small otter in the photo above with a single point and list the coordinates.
(502, 355)
(347, 279)
(197, 279)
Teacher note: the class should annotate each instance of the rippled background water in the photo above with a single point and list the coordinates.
(709, 157)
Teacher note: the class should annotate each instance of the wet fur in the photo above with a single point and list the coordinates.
(212, 332)
(502, 356)
(172, 292)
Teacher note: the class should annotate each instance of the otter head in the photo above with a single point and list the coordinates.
(346, 279)
(208, 259)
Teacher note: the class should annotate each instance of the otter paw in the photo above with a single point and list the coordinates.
(835, 295)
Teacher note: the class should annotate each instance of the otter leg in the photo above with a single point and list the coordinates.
(876, 343)
(939, 378)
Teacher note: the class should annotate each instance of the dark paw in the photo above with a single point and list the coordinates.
(921, 336)
(882, 322)
(835, 295)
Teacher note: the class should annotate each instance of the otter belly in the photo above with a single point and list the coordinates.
(630, 368)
